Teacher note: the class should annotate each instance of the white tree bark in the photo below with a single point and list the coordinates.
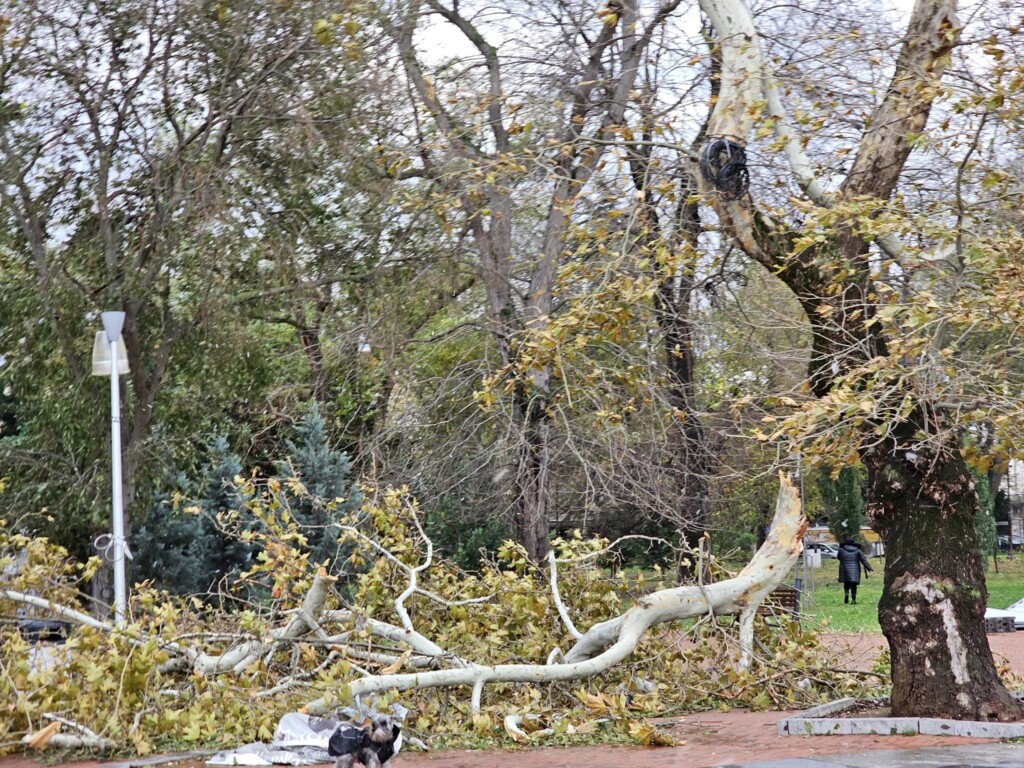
(747, 81)
(748, 85)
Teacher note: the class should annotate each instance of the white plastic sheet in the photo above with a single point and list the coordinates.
(298, 740)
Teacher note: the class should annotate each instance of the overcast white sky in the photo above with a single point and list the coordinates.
(439, 40)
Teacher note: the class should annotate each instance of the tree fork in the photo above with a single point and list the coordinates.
(921, 497)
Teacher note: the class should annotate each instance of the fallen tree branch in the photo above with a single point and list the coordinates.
(611, 642)
(72, 724)
(70, 741)
(411, 638)
(234, 660)
(559, 605)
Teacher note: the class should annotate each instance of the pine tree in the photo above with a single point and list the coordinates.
(324, 472)
(180, 546)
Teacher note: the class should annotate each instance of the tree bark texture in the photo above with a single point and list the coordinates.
(923, 506)
(530, 515)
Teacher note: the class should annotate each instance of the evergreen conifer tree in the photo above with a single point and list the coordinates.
(180, 546)
(324, 472)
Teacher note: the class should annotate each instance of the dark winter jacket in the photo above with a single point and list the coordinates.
(349, 739)
(850, 560)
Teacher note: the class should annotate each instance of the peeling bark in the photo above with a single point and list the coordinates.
(923, 505)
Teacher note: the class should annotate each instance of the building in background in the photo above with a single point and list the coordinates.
(1010, 529)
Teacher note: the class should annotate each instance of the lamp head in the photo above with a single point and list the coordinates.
(113, 322)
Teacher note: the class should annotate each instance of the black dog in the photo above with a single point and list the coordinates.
(373, 745)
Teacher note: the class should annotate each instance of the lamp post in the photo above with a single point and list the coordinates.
(110, 358)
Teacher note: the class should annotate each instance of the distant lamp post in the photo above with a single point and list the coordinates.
(110, 358)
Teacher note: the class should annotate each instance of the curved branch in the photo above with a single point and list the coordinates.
(611, 642)
(559, 605)
(759, 577)
(490, 54)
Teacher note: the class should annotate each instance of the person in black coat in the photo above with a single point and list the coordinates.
(850, 561)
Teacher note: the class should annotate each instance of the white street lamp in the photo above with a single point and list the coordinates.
(110, 358)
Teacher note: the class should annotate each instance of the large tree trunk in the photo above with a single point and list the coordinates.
(932, 606)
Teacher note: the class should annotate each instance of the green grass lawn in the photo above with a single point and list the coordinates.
(827, 605)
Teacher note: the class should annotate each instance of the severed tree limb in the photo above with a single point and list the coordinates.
(563, 612)
(68, 740)
(611, 642)
(71, 724)
(760, 576)
(56, 609)
(410, 638)
(746, 622)
(604, 645)
(248, 653)
(234, 660)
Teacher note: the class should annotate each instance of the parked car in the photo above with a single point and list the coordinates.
(44, 630)
(1004, 541)
(827, 549)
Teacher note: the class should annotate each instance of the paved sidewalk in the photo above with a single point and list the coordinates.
(972, 756)
(711, 739)
(964, 756)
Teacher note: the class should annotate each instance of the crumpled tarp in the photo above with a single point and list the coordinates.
(298, 740)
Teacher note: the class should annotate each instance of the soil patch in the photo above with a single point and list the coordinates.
(866, 708)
